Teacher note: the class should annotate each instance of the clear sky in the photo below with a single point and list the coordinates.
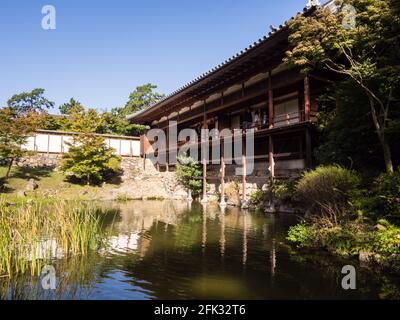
(102, 49)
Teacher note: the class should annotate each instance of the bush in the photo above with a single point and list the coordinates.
(256, 197)
(328, 192)
(189, 174)
(348, 238)
(283, 190)
(89, 160)
(301, 235)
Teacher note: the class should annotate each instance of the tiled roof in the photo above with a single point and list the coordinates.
(257, 43)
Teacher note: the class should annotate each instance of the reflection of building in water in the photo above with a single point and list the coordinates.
(222, 238)
(204, 229)
(135, 218)
(123, 243)
(244, 259)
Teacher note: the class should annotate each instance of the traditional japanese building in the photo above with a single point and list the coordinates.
(283, 103)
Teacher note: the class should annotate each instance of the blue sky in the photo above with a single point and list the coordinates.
(102, 49)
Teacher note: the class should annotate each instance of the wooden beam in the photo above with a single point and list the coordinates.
(270, 102)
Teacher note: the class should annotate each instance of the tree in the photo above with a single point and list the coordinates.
(17, 121)
(87, 121)
(89, 160)
(116, 123)
(30, 101)
(366, 55)
(71, 107)
(348, 136)
(141, 98)
(189, 174)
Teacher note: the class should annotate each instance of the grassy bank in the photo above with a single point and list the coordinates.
(51, 184)
(34, 232)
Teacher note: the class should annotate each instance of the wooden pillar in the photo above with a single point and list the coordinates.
(307, 99)
(270, 102)
(167, 151)
(222, 203)
(308, 149)
(271, 159)
(244, 183)
(205, 126)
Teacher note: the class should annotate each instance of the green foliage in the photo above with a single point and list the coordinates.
(14, 131)
(283, 189)
(383, 198)
(24, 228)
(348, 137)
(348, 238)
(26, 102)
(116, 123)
(327, 187)
(74, 117)
(87, 121)
(189, 174)
(386, 242)
(301, 235)
(257, 197)
(18, 120)
(71, 107)
(141, 98)
(89, 160)
(366, 56)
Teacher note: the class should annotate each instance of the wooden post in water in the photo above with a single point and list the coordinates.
(271, 160)
(222, 203)
(204, 144)
(244, 164)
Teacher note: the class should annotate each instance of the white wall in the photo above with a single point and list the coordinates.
(43, 142)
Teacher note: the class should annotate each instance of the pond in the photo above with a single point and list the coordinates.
(177, 250)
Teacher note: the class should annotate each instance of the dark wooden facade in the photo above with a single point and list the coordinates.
(256, 78)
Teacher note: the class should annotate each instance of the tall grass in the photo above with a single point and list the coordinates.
(33, 233)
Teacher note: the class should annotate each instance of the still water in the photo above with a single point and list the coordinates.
(176, 250)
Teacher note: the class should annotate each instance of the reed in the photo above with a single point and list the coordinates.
(32, 233)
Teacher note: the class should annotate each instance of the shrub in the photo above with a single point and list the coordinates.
(256, 197)
(349, 238)
(89, 160)
(189, 174)
(301, 235)
(283, 190)
(328, 192)
(387, 241)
